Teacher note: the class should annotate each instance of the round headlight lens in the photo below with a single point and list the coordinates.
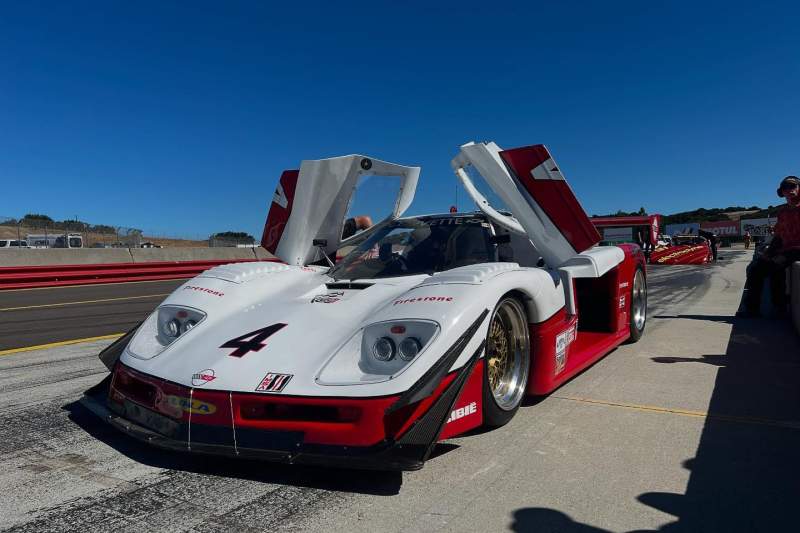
(383, 349)
(172, 328)
(189, 324)
(409, 348)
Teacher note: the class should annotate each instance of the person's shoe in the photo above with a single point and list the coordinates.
(748, 313)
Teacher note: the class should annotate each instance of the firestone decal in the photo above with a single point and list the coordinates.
(622, 302)
(424, 299)
(204, 376)
(461, 412)
(274, 382)
(624, 285)
(203, 289)
(331, 297)
(563, 340)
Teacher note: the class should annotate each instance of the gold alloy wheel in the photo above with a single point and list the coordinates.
(507, 354)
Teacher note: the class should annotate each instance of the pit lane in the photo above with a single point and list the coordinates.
(695, 428)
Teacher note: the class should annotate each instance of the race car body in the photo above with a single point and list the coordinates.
(683, 250)
(430, 327)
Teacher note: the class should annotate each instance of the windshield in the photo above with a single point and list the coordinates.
(418, 246)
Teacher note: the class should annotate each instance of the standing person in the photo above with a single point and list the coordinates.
(713, 241)
(747, 239)
(782, 251)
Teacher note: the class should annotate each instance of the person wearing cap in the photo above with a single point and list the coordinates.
(781, 252)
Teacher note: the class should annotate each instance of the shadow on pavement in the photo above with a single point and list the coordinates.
(358, 481)
(541, 520)
(746, 473)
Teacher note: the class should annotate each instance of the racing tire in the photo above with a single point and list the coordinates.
(506, 362)
(638, 311)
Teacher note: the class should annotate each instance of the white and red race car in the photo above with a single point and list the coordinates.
(430, 327)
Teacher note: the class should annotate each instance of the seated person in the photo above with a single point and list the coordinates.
(781, 252)
(355, 224)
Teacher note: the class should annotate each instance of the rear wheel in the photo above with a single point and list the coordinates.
(638, 305)
(506, 363)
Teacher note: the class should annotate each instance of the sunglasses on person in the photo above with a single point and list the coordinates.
(789, 186)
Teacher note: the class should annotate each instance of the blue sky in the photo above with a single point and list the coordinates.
(178, 117)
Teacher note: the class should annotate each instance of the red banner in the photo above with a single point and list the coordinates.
(723, 228)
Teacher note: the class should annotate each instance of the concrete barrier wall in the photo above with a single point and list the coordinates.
(796, 295)
(79, 256)
(91, 256)
(148, 255)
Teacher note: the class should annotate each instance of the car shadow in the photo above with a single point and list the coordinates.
(744, 475)
(371, 482)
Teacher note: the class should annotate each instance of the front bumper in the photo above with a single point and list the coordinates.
(276, 446)
(385, 433)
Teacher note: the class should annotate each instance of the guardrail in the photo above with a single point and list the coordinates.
(25, 277)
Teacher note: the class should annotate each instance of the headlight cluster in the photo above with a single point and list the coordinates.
(378, 352)
(162, 328)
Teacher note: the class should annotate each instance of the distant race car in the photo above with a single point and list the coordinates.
(683, 250)
(429, 327)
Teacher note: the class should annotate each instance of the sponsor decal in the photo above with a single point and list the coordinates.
(251, 342)
(563, 340)
(280, 196)
(624, 285)
(679, 253)
(203, 289)
(204, 376)
(196, 407)
(331, 297)
(424, 299)
(274, 382)
(461, 412)
(622, 301)
(454, 221)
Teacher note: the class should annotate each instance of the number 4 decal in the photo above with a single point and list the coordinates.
(251, 342)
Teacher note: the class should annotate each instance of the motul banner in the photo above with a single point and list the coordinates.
(723, 228)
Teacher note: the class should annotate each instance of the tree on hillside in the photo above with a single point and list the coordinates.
(36, 217)
(239, 236)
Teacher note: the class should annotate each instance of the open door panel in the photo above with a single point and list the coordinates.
(530, 183)
(311, 203)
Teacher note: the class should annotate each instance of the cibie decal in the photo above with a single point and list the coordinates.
(204, 289)
(461, 412)
(197, 407)
(624, 285)
(273, 382)
(622, 301)
(563, 340)
(251, 342)
(424, 299)
(331, 297)
(204, 376)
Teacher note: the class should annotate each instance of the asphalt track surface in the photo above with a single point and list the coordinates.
(31, 317)
(694, 428)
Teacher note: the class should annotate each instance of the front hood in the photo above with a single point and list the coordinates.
(306, 315)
